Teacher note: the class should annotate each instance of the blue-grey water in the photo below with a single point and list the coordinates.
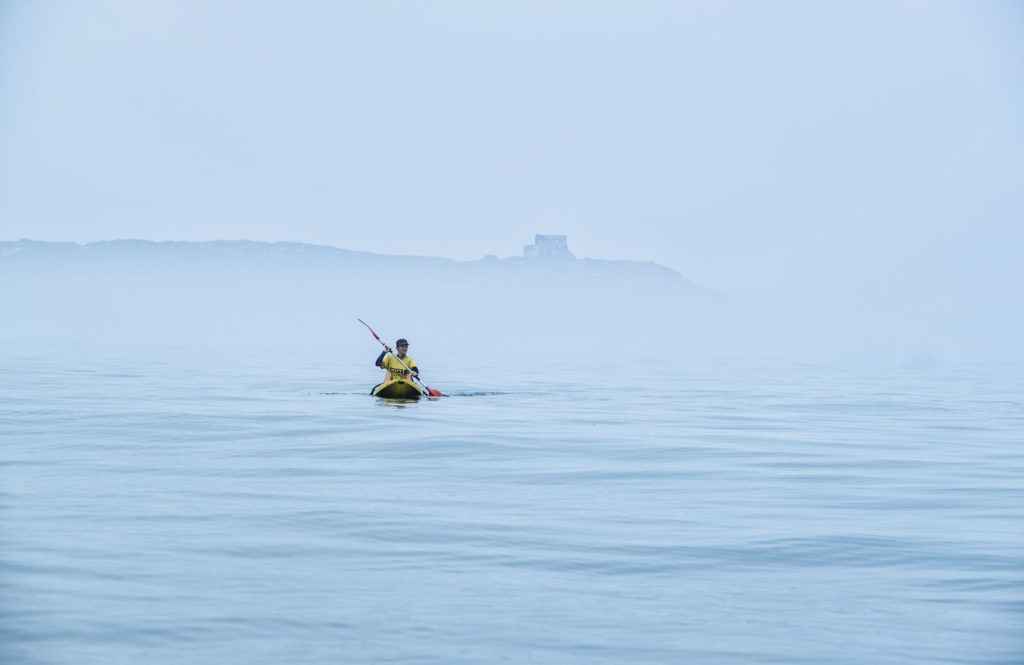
(210, 512)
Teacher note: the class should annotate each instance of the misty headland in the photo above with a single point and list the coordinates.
(225, 293)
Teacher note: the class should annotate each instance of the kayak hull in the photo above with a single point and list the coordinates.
(397, 389)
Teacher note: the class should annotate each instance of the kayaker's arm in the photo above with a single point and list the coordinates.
(380, 359)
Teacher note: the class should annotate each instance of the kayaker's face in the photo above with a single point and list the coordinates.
(402, 349)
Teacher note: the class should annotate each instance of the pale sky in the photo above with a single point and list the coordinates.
(746, 144)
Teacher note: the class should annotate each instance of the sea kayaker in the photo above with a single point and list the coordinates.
(392, 362)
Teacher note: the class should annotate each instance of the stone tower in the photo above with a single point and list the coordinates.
(548, 247)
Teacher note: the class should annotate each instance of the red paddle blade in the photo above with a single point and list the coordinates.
(434, 392)
(372, 331)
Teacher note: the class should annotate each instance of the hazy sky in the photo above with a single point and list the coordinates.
(744, 144)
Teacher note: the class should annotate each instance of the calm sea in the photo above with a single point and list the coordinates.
(181, 511)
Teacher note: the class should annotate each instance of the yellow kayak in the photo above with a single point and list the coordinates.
(397, 389)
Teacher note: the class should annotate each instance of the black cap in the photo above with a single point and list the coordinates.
(402, 342)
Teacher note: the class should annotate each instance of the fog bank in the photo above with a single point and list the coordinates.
(234, 297)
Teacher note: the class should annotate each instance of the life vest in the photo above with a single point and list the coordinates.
(393, 366)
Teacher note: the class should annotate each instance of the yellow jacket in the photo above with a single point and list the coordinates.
(391, 364)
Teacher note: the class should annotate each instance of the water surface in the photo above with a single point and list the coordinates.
(270, 512)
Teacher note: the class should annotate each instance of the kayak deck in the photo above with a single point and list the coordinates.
(397, 389)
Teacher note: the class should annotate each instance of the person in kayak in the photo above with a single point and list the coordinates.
(392, 363)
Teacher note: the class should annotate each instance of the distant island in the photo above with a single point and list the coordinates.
(229, 293)
(547, 261)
